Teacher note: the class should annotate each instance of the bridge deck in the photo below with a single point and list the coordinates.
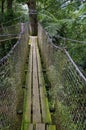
(38, 114)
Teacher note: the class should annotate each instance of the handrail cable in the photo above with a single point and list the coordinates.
(9, 39)
(67, 54)
(5, 57)
(64, 38)
(12, 20)
(57, 47)
(77, 69)
(9, 26)
(4, 35)
(69, 57)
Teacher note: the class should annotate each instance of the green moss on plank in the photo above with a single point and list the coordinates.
(26, 119)
(47, 112)
(51, 127)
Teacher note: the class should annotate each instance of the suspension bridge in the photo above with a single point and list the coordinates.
(41, 88)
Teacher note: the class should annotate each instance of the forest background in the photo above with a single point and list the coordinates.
(65, 18)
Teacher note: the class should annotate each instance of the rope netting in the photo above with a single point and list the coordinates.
(68, 85)
(11, 78)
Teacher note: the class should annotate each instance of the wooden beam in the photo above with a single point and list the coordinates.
(40, 126)
(46, 116)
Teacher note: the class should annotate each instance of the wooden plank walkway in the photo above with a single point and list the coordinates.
(41, 126)
(36, 101)
(37, 114)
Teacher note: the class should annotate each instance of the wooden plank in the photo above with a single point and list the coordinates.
(29, 84)
(27, 96)
(30, 127)
(46, 116)
(28, 91)
(40, 126)
(51, 127)
(36, 101)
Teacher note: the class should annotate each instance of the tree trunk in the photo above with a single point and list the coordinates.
(32, 17)
(9, 6)
(2, 7)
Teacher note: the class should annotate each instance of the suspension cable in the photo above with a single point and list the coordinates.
(7, 39)
(12, 20)
(67, 54)
(65, 38)
(69, 57)
(77, 69)
(57, 47)
(4, 35)
(9, 26)
(10, 52)
(68, 39)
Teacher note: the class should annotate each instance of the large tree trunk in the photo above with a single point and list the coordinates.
(32, 17)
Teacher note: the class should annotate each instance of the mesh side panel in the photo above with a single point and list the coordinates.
(68, 87)
(11, 77)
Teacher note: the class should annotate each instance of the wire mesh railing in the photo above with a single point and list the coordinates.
(77, 50)
(11, 78)
(68, 85)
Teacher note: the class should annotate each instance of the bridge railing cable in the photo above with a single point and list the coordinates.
(12, 20)
(16, 28)
(72, 40)
(10, 32)
(11, 78)
(68, 84)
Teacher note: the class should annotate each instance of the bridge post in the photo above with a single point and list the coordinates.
(33, 17)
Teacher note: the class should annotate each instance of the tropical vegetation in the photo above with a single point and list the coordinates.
(66, 18)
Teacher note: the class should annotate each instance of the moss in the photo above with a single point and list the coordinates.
(51, 127)
(48, 115)
(25, 120)
(25, 126)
